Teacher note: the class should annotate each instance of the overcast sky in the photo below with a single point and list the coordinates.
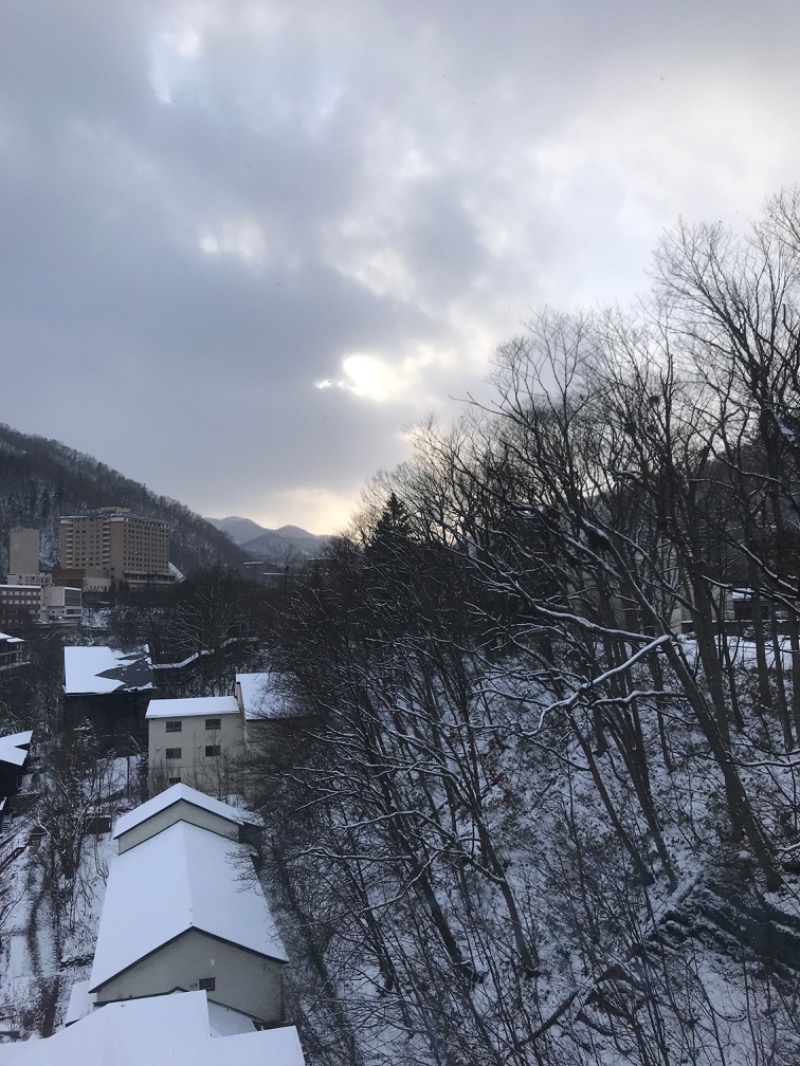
(245, 244)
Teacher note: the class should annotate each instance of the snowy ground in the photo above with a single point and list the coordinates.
(49, 935)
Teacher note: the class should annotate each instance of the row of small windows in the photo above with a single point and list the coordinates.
(213, 751)
(211, 724)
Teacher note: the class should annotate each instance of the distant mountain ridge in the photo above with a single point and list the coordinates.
(284, 546)
(42, 479)
(240, 530)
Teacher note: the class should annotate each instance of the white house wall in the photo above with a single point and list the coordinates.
(245, 982)
(194, 767)
(178, 812)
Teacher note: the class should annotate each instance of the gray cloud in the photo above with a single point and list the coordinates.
(209, 209)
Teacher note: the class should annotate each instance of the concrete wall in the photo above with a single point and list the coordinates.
(178, 812)
(23, 551)
(208, 773)
(244, 981)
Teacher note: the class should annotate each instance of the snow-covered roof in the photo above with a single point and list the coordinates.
(173, 795)
(192, 706)
(225, 1021)
(745, 652)
(158, 1031)
(183, 878)
(91, 671)
(81, 1002)
(262, 696)
(11, 640)
(12, 747)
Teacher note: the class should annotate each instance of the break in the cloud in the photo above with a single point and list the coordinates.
(244, 244)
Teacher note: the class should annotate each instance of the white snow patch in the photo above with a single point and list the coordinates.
(159, 1031)
(192, 707)
(13, 747)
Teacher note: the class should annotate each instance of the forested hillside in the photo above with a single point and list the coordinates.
(42, 479)
(549, 809)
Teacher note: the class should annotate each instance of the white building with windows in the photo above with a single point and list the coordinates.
(59, 604)
(183, 911)
(195, 741)
(188, 966)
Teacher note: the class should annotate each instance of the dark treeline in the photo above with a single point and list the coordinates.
(552, 668)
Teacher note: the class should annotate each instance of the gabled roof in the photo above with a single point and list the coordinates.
(13, 747)
(174, 795)
(93, 671)
(158, 1031)
(180, 879)
(192, 707)
(263, 697)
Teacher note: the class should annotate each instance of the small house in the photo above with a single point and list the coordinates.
(109, 687)
(197, 741)
(274, 726)
(183, 911)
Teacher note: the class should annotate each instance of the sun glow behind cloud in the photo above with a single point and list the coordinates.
(368, 377)
(378, 380)
(316, 509)
(249, 198)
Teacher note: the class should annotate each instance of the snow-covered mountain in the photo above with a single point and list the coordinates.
(288, 544)
(240, 530)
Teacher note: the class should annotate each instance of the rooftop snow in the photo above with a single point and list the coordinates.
(81, 1002)
(11, 640)
(183, 878)
(159, 1031)
(745, 652)
(174, 795)
(192, 706)
(91, 671)
(226, 1022)
(12, 747)
(262, 696)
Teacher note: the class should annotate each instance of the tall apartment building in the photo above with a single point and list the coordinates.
(124, 546)
(23, 551)
(23, 559)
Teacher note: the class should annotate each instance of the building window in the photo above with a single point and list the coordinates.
(213, 723)
(174, 780)
(207, 984)
(174, 727)
(213, 751)
(173, 753)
